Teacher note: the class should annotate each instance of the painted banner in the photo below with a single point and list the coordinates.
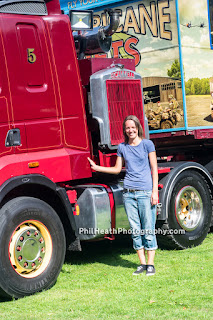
(170, 42)
(197, 59)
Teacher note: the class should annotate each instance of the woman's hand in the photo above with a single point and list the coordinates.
(154, 198)
(112, 170)
(92, 164)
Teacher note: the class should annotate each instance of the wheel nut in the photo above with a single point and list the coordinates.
(40, 259)
(19, 258)
(28, 233)
(18, 248)
(21, 238)
(35, 233)
(41, 240)
(42, 250)
(25, 264)
(33, 264)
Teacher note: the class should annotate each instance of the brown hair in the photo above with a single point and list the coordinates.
(137, 124)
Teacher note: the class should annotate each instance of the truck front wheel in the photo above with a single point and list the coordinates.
(32, 247)
(189, 211)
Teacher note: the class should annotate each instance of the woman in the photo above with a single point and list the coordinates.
(140, 190)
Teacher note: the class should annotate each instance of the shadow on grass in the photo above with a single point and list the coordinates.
(2, 300)
(105, 251)
(4, 297)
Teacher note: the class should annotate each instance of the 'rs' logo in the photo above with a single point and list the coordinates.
(31, 57)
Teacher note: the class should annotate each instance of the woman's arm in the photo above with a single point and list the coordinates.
(113, 170)
(154, 168)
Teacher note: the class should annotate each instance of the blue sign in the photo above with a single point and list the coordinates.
(85, 4)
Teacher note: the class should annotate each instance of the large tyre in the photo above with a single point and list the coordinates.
(189, 212)
(32, 247)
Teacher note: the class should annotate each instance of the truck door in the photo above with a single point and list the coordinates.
(34, 102)
(5, 102)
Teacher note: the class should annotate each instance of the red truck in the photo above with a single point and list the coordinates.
(57, 110)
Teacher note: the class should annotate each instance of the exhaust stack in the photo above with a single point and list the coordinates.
(98, 40)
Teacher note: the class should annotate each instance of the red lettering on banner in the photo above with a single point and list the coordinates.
(132, 51)
(115, 47)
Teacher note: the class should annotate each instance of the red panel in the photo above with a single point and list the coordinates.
(204, 134)
(124, 98)
(53, 7)
(47, 93)
(43, 99)
(72, 195)
(69, 85)
(5, 97)
(3, 133)
(43, 134)
(198, 134)
(74, 132)
(5, 101)
(33, 68)
(31, 84)
(80, 165)
(92, 65)
(107, 160)
(3, 109)
(169, 134)
(164, 169)
(54, 164)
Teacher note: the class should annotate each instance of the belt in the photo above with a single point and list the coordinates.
(131, 190)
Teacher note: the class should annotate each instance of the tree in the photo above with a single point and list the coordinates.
(196, 86)
(174, 72)
(205, 87)
(192, 88)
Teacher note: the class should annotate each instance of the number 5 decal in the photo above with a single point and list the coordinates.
(31, 57)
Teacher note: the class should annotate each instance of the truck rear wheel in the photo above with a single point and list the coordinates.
(32, 247)
(189, 211)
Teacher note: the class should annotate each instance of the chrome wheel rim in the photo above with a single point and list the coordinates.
(30, 248)
(188, 208)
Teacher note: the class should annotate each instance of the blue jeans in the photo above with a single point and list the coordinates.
(142, 217)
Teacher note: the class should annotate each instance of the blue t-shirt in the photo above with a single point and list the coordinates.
(138, 172)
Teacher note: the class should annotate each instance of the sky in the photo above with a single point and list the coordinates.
(197, 55)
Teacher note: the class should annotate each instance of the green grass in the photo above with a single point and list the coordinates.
(98, 284)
